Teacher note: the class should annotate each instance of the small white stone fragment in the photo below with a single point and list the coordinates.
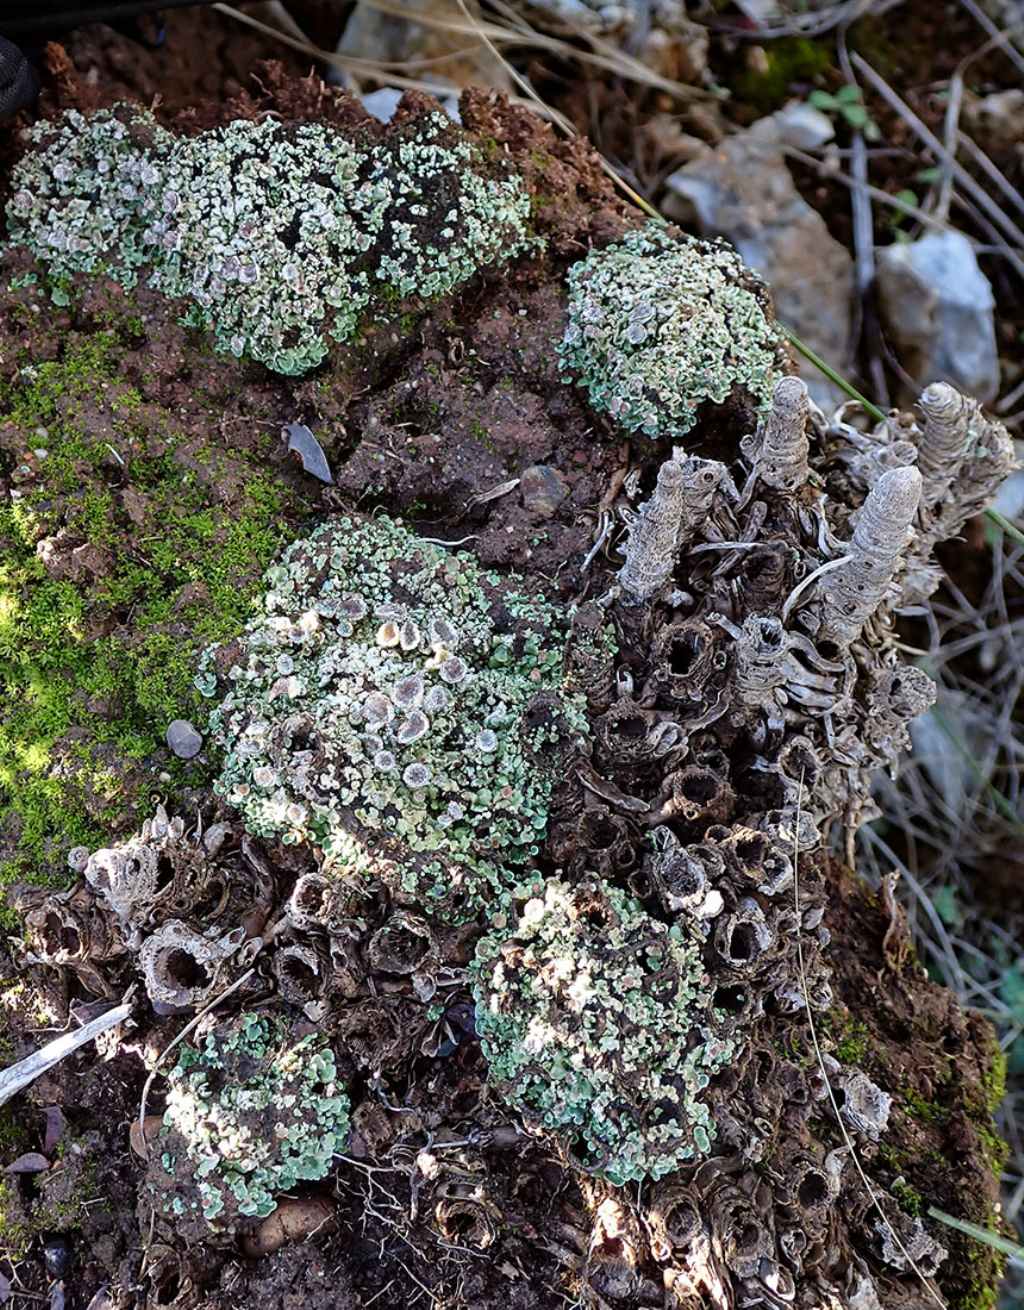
(183, 739)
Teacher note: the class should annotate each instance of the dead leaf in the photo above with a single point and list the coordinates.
(301, 442)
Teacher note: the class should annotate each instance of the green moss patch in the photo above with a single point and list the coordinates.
(125, 547)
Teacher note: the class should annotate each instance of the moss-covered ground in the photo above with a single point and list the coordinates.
(125, 548)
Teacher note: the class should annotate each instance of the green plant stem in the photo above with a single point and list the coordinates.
(986, 1235)
(1001, 521)
(831, 374)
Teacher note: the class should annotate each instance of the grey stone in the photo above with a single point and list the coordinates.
(383, 103)
(411, 35)
(802, 126)
(997, 120)
(301, 442)
(939, 309)
(543, 489)
(183, 739)
(743, 191)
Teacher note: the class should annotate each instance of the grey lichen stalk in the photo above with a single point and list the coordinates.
(251, 1113)
(278, 238)
(597, 1024)
(399, 708)
(661, 326)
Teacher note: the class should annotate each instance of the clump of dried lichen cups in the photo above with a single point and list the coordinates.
(399, 708)
(660, 325)
(597, 1024)
(250, 1114)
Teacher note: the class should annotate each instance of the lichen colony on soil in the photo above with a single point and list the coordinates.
(514, 853)
(279, 241)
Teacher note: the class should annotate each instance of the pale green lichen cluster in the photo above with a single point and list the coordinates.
(263, 230)
(660, 326)
(597, 1024)
(255, 1115)
(444, 219)
(76, 200)
(397, 707)
(279, 238)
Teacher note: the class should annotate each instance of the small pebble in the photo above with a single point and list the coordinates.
(57, 1255)
(184, 740)
(542, 489)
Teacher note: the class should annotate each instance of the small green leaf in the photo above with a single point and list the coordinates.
(822, 100)
(855, 115)
(848, 94)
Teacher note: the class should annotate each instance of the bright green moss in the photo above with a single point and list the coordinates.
(929, 1112)
(94, 665)
(910, 1198)
(788, 60)
(994, 1078)
(15, 1233)
(985, 1267)
(851, 1039)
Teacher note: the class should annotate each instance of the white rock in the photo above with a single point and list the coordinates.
(802, 126)
(183, 739)
(743, 191)
(940, 310)
(383, 103)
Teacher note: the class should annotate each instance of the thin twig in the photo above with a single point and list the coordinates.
(951, 130)
(883, 197)
(994, 174)
(602, 54)
(831, 373)
(925, 134)
(1003, 39)
(815, 23)
(17, 1077)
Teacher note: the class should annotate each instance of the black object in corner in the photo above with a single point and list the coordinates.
(18, 82)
